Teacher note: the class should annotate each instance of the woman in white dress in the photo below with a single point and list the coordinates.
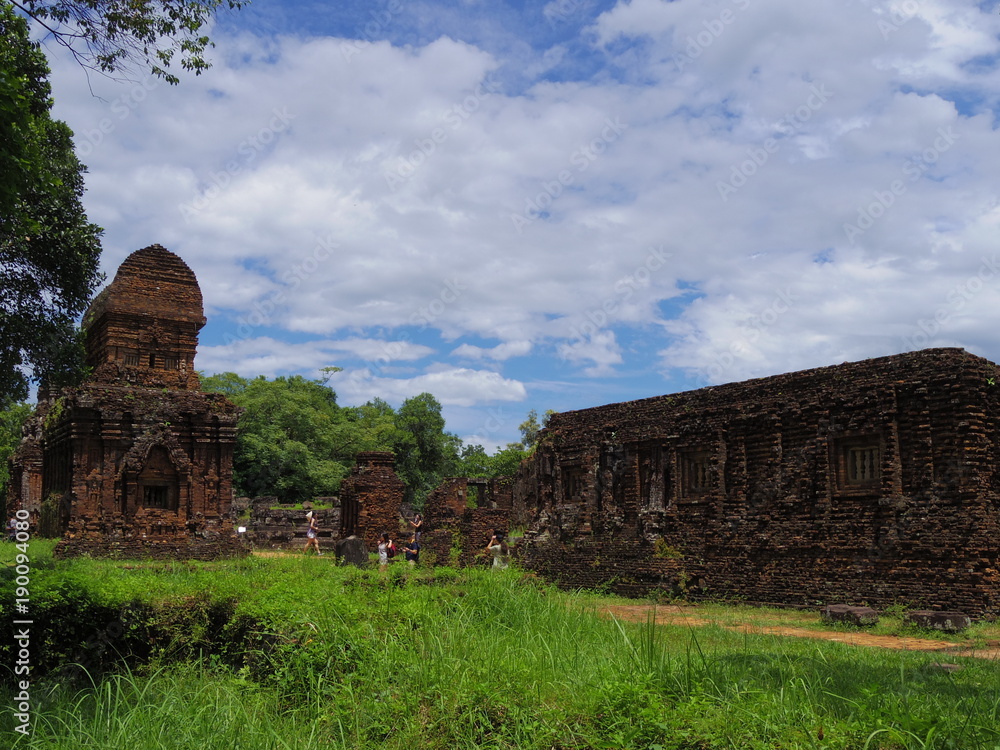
(312, 532)
(384, 550)
(496, 548)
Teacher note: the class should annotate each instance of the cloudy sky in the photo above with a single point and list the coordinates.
(520, 205)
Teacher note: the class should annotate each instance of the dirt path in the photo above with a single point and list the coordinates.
(674, 615)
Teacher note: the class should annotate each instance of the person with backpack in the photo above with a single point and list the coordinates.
(386, 551)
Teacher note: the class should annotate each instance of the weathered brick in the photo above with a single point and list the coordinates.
(871, 482)
(136, 461)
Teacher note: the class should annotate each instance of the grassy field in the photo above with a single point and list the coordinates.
(294, 652)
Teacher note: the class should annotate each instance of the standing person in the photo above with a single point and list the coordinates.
(417, 523)
(412, 551)
(386, 551)
(311, 541)
(496, 548)
(12, 529)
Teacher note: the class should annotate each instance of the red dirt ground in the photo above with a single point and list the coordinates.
(675, 615)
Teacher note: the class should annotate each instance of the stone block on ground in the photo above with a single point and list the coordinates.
(352, 551)
(951, 622)
(850, 614)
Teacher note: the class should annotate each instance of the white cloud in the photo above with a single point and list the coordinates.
(498, 353)
(268, 356)
(451, 386)
(347, 196)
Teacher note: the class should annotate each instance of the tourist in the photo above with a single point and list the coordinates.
(12, 529)
(312, 542)
(386, 551)
(417, 523)
(412, 551)
(496, 548)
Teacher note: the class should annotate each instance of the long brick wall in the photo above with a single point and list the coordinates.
(871, 482)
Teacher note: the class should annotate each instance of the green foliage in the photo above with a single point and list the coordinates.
(425, 453)
(49, 252)
(12, 419)
(294, 441)
(530, 428)
(293, 652)
(665, 551)
(116, 34)
(505, 462)
(475, 462)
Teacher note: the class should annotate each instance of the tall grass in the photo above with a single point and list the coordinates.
(315, 656)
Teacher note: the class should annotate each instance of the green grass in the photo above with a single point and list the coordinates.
(294, 652)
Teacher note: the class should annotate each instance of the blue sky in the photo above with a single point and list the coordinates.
(519, 205)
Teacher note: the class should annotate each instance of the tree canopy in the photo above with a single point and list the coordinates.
(12, 419)
(49, 252)
(111, 36)
(295, 442)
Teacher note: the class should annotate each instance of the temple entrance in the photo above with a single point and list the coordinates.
(158, 485)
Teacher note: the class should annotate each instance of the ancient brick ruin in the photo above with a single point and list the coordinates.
(461, 515)
(370, 497)
(370, 502)
(137, 461)
(871, 482)
(270, 526)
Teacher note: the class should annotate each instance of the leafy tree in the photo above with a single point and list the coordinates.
(425, 453)
(475, 462)
(113, 35)
(49, 252)
(294, 441)
(530, 428)
(505, 462)
(11, 420)
(376, 424)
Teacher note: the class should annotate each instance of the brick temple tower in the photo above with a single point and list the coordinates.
(137, 461)
(370, 497)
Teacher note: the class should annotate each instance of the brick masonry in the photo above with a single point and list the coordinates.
(269, 527)
(137, 461)
(461, 515)
(869, 483)
(370, 498)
